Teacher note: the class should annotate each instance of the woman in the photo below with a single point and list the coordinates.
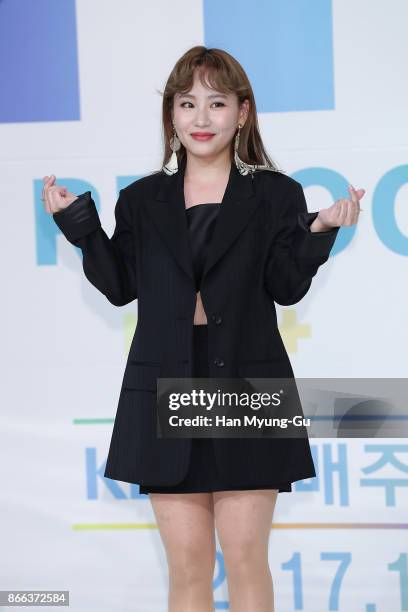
(206, 308)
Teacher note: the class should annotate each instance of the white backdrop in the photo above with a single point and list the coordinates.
(338, 542)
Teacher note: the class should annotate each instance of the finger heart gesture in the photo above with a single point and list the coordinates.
(55, 197)
(344, 212)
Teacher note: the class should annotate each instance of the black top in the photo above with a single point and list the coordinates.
(201, 220)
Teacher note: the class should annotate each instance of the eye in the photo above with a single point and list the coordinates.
(183, 103)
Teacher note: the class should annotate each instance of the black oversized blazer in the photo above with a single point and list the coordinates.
(262, 252)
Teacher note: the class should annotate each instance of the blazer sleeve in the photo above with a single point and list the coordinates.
(108, 263)
(296, 252)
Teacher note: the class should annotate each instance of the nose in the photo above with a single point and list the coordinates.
(201, 117)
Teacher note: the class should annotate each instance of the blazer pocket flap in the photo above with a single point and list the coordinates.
(142, 377)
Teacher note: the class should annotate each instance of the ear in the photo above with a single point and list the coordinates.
(244, 110)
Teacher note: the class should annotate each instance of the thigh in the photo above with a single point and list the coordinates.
(186, 525)
(243, 521)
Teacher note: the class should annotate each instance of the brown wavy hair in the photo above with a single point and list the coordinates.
(225, 74)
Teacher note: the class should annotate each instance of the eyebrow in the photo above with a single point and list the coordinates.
(219, 95)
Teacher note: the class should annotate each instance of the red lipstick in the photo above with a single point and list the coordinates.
(202, 135)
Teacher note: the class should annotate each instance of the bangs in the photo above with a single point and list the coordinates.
(210, 76)
(212, 72)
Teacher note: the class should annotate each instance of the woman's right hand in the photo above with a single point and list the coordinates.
(55, 197)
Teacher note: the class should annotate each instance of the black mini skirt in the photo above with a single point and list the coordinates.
(202, 475)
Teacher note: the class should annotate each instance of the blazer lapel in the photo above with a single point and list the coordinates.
(168, 214)
(167, 210)
(238, 205)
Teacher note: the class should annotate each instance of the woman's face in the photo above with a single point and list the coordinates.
(206, 110)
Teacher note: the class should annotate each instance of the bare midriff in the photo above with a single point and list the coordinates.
(200, 317)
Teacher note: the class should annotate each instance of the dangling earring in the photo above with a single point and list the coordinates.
(243, 167)
(171, 167)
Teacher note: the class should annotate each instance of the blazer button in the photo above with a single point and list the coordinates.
(217, 318)
(219, 362)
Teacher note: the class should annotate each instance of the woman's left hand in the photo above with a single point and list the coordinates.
(343, 212)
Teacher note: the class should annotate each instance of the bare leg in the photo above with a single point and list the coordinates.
(186, 526)
(243, 521)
